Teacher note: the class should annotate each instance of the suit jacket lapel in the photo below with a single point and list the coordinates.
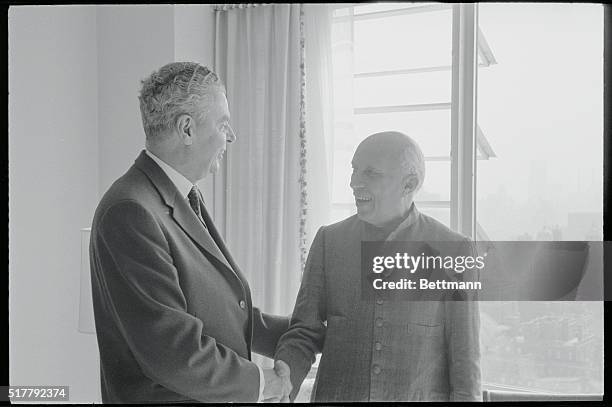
(221, 245)
(187, 219)
(180, 210)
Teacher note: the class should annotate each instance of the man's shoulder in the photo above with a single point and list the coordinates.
(348, 225)
(133, 187)
(437, 231)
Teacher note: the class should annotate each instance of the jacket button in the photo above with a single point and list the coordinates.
(242, 304)
(378, 346)
(379, 322)
(376, 369)
(379, 301)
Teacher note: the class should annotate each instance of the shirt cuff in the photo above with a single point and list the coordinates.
(262, 383)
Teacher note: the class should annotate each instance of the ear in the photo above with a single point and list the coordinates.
(185, 128)
(410, 182)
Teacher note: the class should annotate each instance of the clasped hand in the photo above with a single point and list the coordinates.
(277, 383)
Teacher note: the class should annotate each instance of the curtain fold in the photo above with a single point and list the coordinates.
(319, 121)
(258, 56)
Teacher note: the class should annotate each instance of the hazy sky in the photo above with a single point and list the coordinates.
(541, 106)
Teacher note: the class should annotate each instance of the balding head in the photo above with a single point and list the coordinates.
(400, 149)
(388, 169)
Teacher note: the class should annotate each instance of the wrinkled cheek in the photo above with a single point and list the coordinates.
(221, 140)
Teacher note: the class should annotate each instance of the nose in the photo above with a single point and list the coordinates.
(230, 136)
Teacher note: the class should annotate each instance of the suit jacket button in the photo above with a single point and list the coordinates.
(242, 304)
(378, 346)
(379, 322)
(376, 369)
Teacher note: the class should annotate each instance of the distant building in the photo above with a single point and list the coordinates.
(584, 226)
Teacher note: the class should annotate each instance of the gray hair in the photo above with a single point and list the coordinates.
(175, 89)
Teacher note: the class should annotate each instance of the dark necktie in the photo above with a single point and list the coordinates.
(195, 198)
(194, 202)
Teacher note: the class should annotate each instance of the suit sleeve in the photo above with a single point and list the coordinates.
(267, 330)
(306, 333)
(143, 295)
(462, 326)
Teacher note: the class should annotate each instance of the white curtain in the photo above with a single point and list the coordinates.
(319, 114)
(258, 53)
(274, 190)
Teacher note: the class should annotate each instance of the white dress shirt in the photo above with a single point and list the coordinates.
(184, 187)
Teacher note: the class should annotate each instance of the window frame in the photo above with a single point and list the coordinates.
(467, 139)
(463, 118)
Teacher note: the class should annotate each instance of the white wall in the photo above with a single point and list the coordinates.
(74, 127)
(194, 33)
(53, 190)
(133, 41)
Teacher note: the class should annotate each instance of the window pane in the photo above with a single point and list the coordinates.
(374, 7)
(430, 129)
(542, 109)
(542, 346)
(402, 42)
(437, 182)
(407, 89)
(541, 106)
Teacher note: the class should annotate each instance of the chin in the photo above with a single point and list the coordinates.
(214, 167)
(363, 216)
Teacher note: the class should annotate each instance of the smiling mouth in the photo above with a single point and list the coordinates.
(362, 199)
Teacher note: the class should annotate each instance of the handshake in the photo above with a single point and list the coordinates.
(277, 383)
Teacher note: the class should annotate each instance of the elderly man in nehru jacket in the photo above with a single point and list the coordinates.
(375, 349)
(173, 311)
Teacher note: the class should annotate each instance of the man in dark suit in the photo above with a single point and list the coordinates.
(173, 311)
(381, 348)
